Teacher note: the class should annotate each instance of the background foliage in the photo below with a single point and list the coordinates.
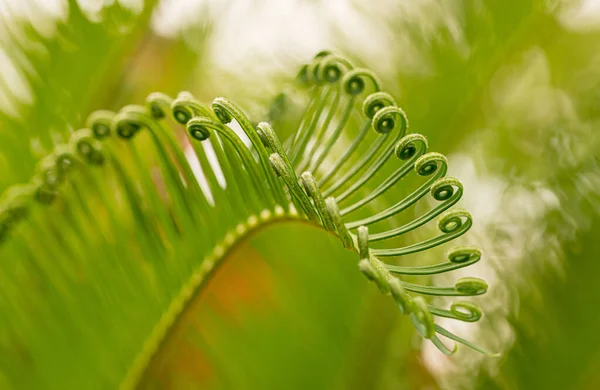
(509, 90)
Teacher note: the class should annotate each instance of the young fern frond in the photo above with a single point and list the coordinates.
(132, 164)
(341, 182)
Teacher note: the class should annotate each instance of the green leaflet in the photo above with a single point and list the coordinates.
(132, 164)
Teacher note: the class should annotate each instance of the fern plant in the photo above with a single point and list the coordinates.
(121, 202)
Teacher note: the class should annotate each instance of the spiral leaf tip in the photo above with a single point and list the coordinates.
(219, 107)
(197, 129)
(100, 123)
(471, 286)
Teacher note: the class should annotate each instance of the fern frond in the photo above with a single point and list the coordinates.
(175, 226)
(352, 182)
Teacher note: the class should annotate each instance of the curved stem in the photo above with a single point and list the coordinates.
(199, 277)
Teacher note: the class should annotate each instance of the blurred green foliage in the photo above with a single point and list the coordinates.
(512, 87)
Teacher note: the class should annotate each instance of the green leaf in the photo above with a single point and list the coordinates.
(130, 236)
